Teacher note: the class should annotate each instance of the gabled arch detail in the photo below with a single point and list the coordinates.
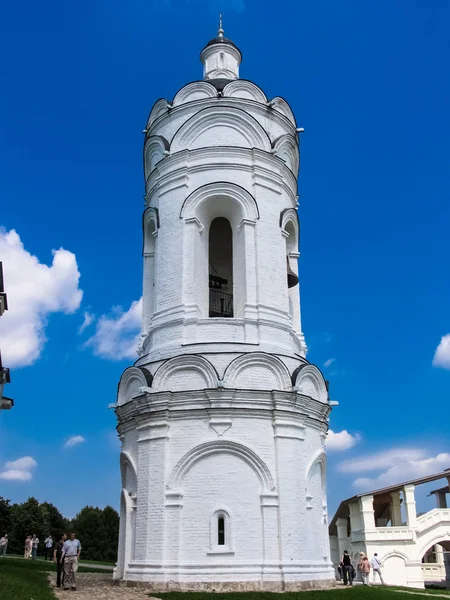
(395, 553)
(196, 90)
(183, 466)
(126, 459)
(156, 148)
(192, 205)
(160, 107)
(283, 107)
(215, 127)
(240, 88)
(131, 382)
(255, 360)
(150, 220)
(171, 374)
(290, 215)
(310, 382)
(319, 458)
(286, 148)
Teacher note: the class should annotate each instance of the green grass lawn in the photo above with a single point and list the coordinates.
(28, 579)
(40, 565)
(22, 584)
(357, 592)
(83, 560)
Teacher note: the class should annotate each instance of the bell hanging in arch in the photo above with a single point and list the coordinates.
(292, 278)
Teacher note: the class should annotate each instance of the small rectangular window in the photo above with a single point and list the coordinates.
(221, 531)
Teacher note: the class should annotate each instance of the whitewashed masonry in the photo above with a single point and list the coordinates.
(222, 419)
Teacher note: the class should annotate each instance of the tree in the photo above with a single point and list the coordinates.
(57, 524)
(5, 516)
(98, 532)
(27, 518)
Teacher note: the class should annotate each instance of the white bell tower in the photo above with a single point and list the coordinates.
(222, 419)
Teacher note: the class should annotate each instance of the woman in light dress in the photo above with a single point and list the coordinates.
(28, 547)
(364, 567)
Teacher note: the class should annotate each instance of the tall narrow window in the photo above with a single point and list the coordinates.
(221, 531)
(220, 268)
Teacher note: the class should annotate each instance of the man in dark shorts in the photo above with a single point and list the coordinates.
(57, 559)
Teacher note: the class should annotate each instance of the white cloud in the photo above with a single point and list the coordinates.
(26, 463)
(34, 291)
(341, 440)
(380, 460)
(18, 470)
(117, 335)
(329, 362)
(442, 354)
(404, 470)
(88, 319)
(74, 441)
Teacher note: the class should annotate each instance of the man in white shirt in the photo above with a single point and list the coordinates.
(376, 567)
(48, 547)
(70, 555)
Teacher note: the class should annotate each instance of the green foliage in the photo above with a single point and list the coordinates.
(5, 516)
(27, 518)
(98, 532)
(96, 528)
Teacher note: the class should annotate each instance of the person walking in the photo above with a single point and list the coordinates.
(57, 554)
(34, 546)
(3, 544)
(347, 568)
(48, 545)
(70, 555)
(364, 567)
(376, 567)
(28, 547)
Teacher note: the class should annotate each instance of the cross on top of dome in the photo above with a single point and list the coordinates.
(221, 57)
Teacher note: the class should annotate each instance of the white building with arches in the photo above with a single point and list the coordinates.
(414, 548)
(222, 419)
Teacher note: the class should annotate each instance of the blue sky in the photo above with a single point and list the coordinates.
(369, 83)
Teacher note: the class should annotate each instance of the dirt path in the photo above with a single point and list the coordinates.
(98, 586)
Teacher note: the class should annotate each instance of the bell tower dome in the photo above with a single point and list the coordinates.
(220, 57)
(222, 419)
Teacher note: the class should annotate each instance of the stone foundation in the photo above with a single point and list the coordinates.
(231, 586)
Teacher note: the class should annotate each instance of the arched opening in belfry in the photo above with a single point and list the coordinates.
(220, 268)
(148, 301)
(291, 266)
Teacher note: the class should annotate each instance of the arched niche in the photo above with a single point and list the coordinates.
(286, 148)
(197, 90)
(188, 372)
(150, 226)
(131, 382)
(240, 88)
(155, 150)
(222, 447)
(161, 107)
(212, 127)
(310, 382)
(259, 371)
(283, 107)
(235, 204)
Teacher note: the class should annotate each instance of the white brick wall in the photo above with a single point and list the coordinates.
(222, 428)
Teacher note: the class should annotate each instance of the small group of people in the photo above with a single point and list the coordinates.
(66, 555)
(31, 547)
(348, 573)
